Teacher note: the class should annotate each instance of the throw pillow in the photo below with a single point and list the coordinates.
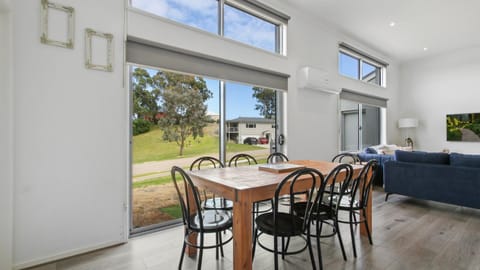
(371, 150)
(457, 159)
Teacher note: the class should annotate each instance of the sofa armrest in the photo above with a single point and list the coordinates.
(381, 159)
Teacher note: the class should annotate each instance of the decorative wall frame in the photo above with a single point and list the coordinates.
(90, 34)
(44, 14)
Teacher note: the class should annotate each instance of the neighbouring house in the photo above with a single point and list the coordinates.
(240, 128)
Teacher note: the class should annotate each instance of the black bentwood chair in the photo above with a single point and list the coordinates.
(282, 222)
(238, 159)
(215, 203)
(276, 157)
(347, 158)
(325, 209)
(196, 220)
(355, 203)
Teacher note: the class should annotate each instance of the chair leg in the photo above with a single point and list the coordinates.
(221, 244)
(310, 250)
(181, 255)
(200, 253)
(283, 248)
(319, 252)
(366, 226)
(352, 234)
(255, 232)
(275, 251)
(217, 246)
(340, 240)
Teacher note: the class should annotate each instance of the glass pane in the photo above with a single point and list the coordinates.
(370, 73)
(370, 126)
(246, 28)
(201, 14)
(250, 120)
(349, 118)
(348, 65)
(174, 116)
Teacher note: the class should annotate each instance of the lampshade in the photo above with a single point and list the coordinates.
(407, 123)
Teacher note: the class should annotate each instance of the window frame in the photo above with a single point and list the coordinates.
(251, 7)
(363, 58)
(250, 125)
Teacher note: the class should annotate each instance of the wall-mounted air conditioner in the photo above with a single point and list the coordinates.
(315, 79)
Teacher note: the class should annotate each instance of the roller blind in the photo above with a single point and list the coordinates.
(163, 56)
(365, 55)
(363, 98)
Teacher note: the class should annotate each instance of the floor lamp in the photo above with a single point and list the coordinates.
(407, 123)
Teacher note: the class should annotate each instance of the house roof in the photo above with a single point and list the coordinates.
(258, 120)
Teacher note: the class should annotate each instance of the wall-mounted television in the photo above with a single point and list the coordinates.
(463, 127)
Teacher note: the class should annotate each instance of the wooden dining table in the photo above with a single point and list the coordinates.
(245, 185)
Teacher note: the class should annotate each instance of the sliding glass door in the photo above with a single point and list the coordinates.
(360, 125)
(177, 118)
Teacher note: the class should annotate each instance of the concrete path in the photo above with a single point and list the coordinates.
(162, 168)
(469, 136)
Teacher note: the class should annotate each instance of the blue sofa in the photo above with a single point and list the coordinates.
(369, 154)
(448, 178)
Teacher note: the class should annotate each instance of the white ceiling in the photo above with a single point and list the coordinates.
(439, 25)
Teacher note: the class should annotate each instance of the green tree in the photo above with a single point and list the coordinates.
(145, 95)
(183, 104)
(265, 101)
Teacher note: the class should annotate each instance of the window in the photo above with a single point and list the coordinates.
(357, 65)
(248, 21)
(246, 28)
(362, 120)
(251, 125)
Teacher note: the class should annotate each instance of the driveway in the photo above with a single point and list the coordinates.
(162, 168)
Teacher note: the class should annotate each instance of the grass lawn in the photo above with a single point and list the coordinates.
(151, 147)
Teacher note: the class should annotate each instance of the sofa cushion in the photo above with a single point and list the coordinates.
(422, 157)
(463, 160)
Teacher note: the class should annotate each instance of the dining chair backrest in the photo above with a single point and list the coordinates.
(361, 185)
(308, 178)
(202, 162)
(342, 174)
(276, 157)
(238, 159)
(187, 195)
(348, 158)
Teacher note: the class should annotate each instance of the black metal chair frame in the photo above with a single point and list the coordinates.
(234, 161)
(325, 209)
(214, 203)
(356, 202)
(340, 158)
(276, 157)
(290, 220)
(194, 221)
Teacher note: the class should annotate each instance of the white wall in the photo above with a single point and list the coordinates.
(6, 139)
(71, 129)
(436, 86)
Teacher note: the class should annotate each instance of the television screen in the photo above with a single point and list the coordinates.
(463, 127)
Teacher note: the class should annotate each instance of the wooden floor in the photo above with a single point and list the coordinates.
(408, 234)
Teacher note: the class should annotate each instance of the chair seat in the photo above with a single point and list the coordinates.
(288, 225)
(321, 212)
(218, 203)
(213, 221)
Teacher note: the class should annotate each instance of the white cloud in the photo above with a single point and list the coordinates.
(157, 7)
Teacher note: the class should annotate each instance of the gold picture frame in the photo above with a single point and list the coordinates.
(89, 35)
(45, 38)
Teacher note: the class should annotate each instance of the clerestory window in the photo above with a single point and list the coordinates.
(248, 21)
(357, 65)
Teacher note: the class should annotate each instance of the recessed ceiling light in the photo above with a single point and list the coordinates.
(392, 24)
(425, 48)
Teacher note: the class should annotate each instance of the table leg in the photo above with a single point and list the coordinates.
(242, 234)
